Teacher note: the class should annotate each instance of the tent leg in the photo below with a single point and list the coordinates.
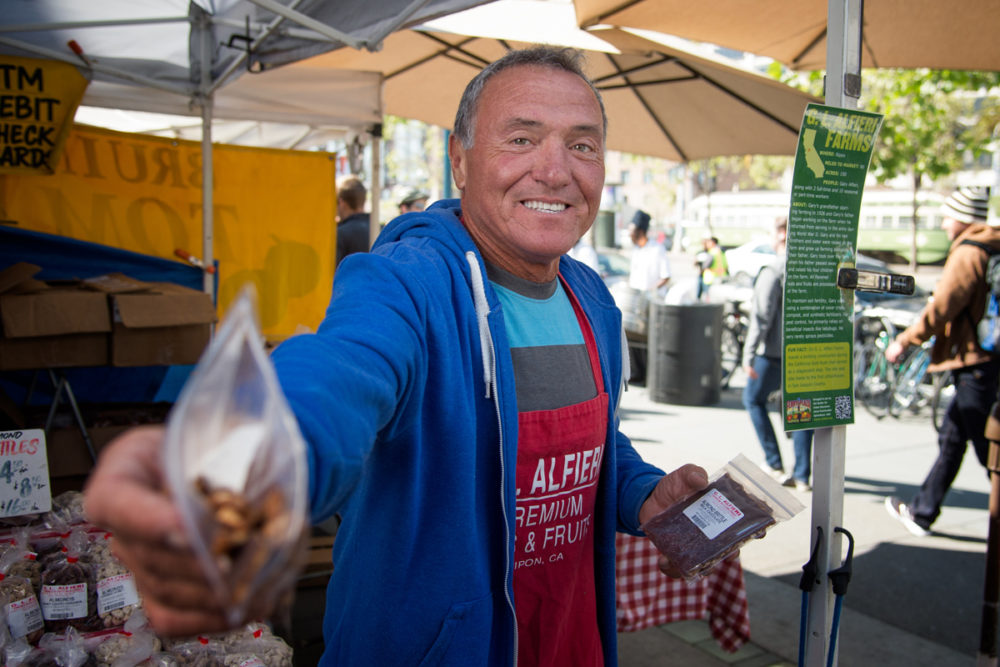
(827, 513)
(207, 181)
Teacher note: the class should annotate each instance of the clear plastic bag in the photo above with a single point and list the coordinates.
(235, 465)
(740, 503)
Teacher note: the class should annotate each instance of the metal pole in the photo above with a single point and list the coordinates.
(207, 181)
(827, 513)
(374, 227)
(374, 224)
(446, 190)
(987, 656)
(843, 87)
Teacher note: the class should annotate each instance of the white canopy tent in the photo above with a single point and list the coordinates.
(189, 56)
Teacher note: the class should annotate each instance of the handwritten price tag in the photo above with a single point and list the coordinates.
(24, 473)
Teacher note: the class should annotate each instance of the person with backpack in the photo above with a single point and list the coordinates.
(953, 317)
(762, 363)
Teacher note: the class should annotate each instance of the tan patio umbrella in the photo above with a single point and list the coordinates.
(661, 101)
(958, 34)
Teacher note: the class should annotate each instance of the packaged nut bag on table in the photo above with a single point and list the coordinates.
(117, 595)
(740, 503)
(20, 604)
(68, 594)
(235, 464)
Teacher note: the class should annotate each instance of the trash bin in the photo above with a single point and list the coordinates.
(685, 357)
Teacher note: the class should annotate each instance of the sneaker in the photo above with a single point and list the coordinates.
(802, 486)
(898, 510)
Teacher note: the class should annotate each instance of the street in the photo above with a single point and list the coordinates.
(899, 579)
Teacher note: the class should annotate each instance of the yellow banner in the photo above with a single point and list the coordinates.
(274, 213)
(38, 99)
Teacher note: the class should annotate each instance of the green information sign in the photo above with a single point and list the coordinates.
(834, 151)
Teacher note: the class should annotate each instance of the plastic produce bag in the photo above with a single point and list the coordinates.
(235, 465)
(740, 503)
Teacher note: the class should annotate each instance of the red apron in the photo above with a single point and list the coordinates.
(559, 455)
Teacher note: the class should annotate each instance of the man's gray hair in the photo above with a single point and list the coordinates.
(563, 58)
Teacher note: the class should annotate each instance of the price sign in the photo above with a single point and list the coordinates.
(24, 473)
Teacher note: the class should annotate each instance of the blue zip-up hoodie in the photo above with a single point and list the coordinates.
(406, 397)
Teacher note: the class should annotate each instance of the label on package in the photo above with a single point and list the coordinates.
(116, 592)
(24, 617)
(63, 602)
(713, 513)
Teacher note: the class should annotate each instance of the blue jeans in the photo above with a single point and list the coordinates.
(755, 401)
(965, 420)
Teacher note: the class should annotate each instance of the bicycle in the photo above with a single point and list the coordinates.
(874, 376)
(914, 389)
(734, 336)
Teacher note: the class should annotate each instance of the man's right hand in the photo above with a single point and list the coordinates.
(127, 495)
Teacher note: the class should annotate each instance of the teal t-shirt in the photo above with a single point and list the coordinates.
(551, 365)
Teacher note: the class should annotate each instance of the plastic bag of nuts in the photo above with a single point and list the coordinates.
(235, 465)
(132, 644)
(17, 595)
(117, 596)
(740, 503)
(69, 593)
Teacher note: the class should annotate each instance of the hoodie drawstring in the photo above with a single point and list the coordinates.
(482, 311)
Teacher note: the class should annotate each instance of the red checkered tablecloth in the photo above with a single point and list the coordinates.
(646, 597)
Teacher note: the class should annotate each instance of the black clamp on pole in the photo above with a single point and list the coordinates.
(875, 281)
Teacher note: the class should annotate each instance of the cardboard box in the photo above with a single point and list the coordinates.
(46, 326)
(165, 324)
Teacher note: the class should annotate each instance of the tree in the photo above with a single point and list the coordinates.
(932, 118)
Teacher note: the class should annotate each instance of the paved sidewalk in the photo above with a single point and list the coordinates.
(892, 613)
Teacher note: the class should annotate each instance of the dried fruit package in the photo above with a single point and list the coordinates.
(235, 464)
(740, 503)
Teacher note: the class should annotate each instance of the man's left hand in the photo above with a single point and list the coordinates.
(671, 488)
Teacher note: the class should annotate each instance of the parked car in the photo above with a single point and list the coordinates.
(746, 261)
(614, 266)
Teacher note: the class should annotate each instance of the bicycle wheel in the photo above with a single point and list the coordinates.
(908, 391)
(875, 377)
(733, 336)
(944, 390)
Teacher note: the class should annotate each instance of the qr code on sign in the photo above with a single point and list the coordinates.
(842, 407)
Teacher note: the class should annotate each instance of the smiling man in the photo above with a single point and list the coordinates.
(459, 403)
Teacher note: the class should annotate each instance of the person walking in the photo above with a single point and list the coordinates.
(762, 355)
(650, 267)
(712, 264)
(459, 405)
(951, 317)
(649, 274)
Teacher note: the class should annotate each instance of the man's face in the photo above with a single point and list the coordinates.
(952, 227)
(531, 182)
(636, 235)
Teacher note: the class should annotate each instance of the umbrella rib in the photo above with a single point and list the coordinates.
(651, 82)
(649, 110)
(613, 10)
(809, 47)
(477, 62)
(662, 59)
(752, 105)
